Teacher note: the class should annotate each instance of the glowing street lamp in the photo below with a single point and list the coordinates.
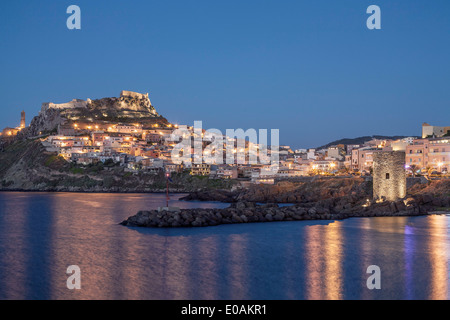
(167, 189)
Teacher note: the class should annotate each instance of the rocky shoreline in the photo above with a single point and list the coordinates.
(250, 212)
(320, 199)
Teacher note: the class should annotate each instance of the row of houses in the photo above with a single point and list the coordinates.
(151, 149)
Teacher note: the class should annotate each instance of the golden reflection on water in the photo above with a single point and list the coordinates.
(111, 265)
(313, 263)
(323, 251)
(438, 251)
(333, 265)
(137, 263)
(386, 224)
(424, 262)
(75, 244)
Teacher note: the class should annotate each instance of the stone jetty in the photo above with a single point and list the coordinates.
(320, 199)
(248, 212)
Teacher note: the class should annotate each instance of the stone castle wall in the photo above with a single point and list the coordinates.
(75, 103)
(137, 95)
(389, 175)
(78, 103)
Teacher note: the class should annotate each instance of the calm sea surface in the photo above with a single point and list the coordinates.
(41, 234)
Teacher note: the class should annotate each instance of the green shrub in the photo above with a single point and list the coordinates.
(76, 170)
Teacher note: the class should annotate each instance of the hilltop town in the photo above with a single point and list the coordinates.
(112, 138)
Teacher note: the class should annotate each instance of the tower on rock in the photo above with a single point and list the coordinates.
(22, 119)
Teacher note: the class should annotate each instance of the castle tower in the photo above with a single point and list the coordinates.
(389, 175)
(22, 119)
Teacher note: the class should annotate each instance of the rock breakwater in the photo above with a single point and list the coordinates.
(248, 212)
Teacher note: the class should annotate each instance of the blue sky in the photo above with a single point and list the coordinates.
(309, 68)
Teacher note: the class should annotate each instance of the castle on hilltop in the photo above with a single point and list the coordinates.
(137, 95)
(79, 103)
(132, 94)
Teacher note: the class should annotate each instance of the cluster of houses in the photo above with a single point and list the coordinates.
(131, 145)
(150, 149)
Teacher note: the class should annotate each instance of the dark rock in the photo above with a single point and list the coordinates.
(400, 205)
(427, 198)
(437, 202)
(269, 205)
(393, 207)
(236, 219)
(240, 205)
(279, 216)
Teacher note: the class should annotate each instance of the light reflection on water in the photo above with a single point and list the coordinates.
(41, 234)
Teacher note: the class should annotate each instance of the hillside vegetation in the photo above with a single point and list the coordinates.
(25, 165)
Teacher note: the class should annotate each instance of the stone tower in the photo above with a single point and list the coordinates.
(389, 175)
(22, 119)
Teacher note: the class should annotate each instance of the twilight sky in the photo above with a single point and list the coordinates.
(310, 68)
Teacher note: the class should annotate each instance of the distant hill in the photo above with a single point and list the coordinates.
(360, 140)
